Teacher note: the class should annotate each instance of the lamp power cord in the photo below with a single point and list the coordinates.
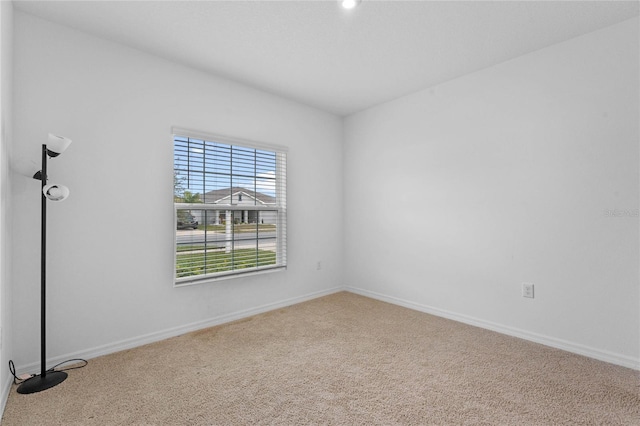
(24, 377)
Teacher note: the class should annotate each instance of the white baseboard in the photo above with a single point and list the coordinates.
(606, 356)
(6, 388)
(134, 342)
(89, 353)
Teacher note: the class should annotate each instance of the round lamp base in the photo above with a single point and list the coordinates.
(40, 383)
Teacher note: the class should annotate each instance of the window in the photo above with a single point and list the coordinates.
(230, 207)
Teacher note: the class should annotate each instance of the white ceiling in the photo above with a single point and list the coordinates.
(340, 61)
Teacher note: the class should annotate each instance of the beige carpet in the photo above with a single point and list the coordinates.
(341, 359)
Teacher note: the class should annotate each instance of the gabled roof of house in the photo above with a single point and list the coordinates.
(221, 195)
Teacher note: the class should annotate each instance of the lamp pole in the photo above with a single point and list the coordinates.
(43, 266)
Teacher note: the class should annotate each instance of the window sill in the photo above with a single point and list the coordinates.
(189, 281)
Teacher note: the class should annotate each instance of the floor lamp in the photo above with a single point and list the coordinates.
(54, 192)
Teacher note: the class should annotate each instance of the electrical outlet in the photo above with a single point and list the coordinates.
(527, 290)
(319, 265)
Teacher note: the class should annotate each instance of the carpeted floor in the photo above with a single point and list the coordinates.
(341, 359)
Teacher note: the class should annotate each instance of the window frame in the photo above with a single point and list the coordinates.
(280, 207)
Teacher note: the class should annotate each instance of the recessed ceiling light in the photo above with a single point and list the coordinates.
(349, 4)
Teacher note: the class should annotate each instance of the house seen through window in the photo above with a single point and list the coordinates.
(230, 207)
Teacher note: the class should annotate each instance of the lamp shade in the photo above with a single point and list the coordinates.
(57, 144)
(55, 192)
(349, 4)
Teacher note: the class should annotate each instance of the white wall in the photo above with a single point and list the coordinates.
(523, 172)
(111, 243)
(6, 66)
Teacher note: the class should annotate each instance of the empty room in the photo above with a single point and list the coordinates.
(319, 212)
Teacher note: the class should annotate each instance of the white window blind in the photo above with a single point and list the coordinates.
(230, 207)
